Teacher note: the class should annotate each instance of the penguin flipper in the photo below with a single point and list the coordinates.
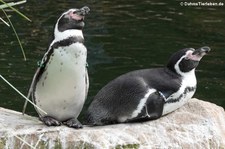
(153, 108)
(37, 74)
(86, 83)
(31, 89)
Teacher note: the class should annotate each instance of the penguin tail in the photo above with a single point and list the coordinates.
(92, 119)
(88, 119)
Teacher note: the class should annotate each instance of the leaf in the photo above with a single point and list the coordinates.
(6, 5)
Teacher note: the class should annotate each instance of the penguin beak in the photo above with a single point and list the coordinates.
(201, 51)
(78, 14)
(197, 55)
(83, 11)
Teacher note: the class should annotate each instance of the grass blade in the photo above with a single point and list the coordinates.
(12, 4)
(21, 94)
(33, 147)
(4, 22)
(14, 30)
(6, 4)
(12, 132)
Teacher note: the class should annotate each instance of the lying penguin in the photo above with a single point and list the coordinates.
(60, 84)
(147, 94)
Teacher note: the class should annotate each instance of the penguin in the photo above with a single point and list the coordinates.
(60, 84)
(147, 94)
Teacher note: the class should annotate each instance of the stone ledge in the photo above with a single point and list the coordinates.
(198, 124)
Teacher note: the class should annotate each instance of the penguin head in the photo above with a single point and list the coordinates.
(186, 60)
(72, 19)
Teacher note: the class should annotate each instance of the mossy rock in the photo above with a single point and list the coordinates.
(128, 146)
(2, 143)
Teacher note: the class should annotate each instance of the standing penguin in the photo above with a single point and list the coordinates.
(60, 84)
(147, 94)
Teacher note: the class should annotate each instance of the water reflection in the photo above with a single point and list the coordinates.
(121, 36)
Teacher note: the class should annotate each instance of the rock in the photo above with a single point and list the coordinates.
(198, 124)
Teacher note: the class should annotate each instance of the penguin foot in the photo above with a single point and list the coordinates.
(74, 123)
(49, 121)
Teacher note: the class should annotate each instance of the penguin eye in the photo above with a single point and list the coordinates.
(186, 58)
(74, 12)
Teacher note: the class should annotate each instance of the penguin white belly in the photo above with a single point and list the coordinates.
(61, 89)
(179, 98)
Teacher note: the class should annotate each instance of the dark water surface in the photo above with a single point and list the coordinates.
(121, 36)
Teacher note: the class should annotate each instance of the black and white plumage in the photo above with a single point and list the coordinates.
(60, 84)
(149, 93)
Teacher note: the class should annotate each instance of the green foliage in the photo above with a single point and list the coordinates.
(9, 5)
(6, 5)
(128, 146)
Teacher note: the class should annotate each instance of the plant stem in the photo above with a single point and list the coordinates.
(11, 4)
(22, 94)
(4, 22)
(16, 35)
(15, 10)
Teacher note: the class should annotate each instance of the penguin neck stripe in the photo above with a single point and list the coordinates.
(67, 42)
(186, 90)
(55, 45)
(177, 69)
(67, 33)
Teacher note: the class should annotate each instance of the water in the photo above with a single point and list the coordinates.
(120, 37)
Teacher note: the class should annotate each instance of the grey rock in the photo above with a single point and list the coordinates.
(198, 124)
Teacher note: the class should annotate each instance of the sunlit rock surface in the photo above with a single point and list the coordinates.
(198, 124)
